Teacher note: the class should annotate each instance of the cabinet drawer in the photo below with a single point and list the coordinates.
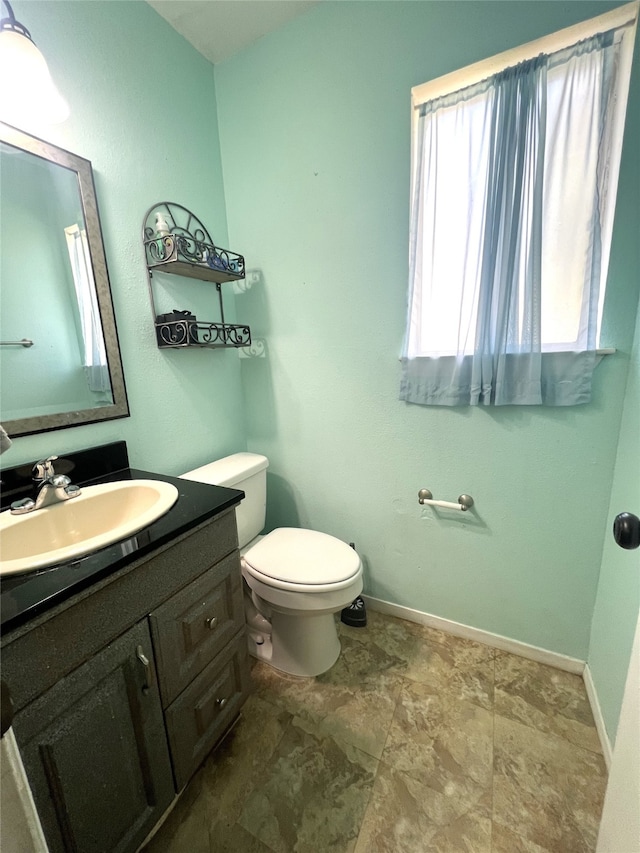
(195, 624)
(202, 713)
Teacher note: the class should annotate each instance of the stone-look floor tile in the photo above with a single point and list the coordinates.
(545, 789)
(546, 698)
(230, 773)
(353, 702)
(465, 650)
(405, 816)
(313, 796)
(186, 827)
(297, 773)
(405, 640)
(233, 839)
(504, 840)
(445, 673)
(442, 743)
(462, 668)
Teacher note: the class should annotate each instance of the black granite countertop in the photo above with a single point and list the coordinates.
(25, 596)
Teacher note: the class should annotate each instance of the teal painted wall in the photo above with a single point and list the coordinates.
(618, 599)
(317, 189)
(143, 111)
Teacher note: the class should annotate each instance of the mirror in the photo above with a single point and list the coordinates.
(60, 360)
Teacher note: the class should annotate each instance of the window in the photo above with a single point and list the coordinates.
(93, 349)
(514, 172)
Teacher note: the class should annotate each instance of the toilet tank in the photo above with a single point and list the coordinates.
(245, 471)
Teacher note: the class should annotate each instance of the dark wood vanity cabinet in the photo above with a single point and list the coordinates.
(122, 693)
(95, 751)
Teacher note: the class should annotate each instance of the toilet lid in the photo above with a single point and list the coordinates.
(303, 556)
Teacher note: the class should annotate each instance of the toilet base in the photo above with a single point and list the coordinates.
(259, 645)
(300, 624)
(304, 646)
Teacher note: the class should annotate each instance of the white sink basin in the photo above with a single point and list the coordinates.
(99, 516)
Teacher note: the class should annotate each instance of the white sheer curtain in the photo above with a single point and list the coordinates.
(94, 353)
(510, 188)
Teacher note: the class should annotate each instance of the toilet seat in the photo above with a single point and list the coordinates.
(302, 560)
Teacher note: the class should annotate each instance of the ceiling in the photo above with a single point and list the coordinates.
(219, 28)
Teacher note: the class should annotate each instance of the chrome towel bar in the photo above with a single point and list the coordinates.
(25, 342)
(465, 502)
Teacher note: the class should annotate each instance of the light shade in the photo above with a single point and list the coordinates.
(28, 94)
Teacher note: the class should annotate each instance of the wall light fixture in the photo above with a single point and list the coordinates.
(28, 94)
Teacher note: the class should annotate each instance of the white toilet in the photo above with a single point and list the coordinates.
(296, 580)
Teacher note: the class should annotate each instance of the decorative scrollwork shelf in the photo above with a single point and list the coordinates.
(175, 241)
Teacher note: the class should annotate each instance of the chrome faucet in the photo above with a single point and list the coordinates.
(51, 488)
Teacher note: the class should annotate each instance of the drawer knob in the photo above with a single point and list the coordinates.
(221, 703)
(211, 622)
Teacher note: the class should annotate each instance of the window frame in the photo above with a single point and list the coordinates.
(471, 74)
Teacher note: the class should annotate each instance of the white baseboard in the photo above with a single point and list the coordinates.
(505, 644)
(605, 743)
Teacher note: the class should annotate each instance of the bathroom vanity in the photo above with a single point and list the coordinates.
(126, 668)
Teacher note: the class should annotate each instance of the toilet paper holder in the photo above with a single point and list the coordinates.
(464, 503)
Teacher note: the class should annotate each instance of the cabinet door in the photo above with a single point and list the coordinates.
(95, 751)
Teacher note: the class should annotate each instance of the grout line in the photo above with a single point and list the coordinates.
(368, 805)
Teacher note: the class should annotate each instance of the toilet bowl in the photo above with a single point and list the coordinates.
(295, 580)
(299, 579)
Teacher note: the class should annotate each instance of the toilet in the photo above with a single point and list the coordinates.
(295, 579)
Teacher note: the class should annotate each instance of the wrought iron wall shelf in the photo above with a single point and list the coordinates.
(175, 241)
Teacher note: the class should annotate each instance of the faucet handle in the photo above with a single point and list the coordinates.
(60, 481)
(44, 469)
(23, 506)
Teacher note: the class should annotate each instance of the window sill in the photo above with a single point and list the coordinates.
(600, 351)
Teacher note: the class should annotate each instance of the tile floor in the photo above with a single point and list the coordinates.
(414, 742)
